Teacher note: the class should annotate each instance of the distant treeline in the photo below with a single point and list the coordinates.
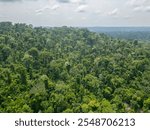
(139, 33)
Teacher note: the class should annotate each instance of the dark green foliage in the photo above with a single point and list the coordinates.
(71, 70)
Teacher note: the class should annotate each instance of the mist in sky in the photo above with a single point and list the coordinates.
(76, 12)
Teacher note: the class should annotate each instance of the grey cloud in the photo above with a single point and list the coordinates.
(72, 1)
(142, 8)
(9, 0)
(137, 3)
(113, 12)
(81, 8)
(42, 9)
(55, 7)
(138, 8)
(147, 9)
(60, 1)
(64, 1)
(78, 1)
(15, 0)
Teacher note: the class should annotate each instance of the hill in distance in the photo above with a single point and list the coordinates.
(140, 33)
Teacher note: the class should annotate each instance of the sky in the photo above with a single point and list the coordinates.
(83, 13)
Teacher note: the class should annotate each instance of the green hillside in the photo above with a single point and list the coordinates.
(69, 69)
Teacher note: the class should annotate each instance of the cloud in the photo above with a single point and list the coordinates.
(78, 1)
(147, 9)
(39, 11)
(81, 8)
(135, 3)
(131, 2)
(63, 1)
(55, 7)
(9, 0)
(84, 18)
(72, 1)
(98, 12)
(142, 8)
(70, 18)
(47, 7)
(15, 0)
(113, 12)
(138, 8)
(127, 17)
(1, 16)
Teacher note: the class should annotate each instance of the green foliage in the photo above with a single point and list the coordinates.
(146, 106)
(71, 70)
(106, 107)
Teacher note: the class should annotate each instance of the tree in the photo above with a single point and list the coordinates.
(28, 61)
(91, 82)
(106, 106)
(45, 57)
(5, 52)
(146, 106)
(23, 74)
(66, 69)
(34, 53)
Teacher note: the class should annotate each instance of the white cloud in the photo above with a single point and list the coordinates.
(127, 17)
(113, 12)
(42, 9)
(1, 16)
(147, 9)
(55, 7)
(70, 18)
(71, 1)
(142, 8)
(136, 2)
(84, 18)
(97, 12)
(38, 10)
(63, 1)
(39, 13)
(138, 8)
(15, 0)
(78, 1)
(81, 8)
(64, 12)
